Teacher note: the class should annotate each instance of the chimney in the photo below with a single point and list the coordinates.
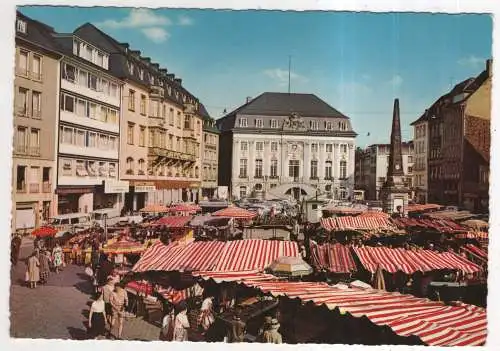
(249, 98)
(489, 62)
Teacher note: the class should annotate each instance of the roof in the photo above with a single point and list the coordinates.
(38, 34)
(275, 104)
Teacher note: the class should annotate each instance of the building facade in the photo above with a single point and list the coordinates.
(459, 143)
(372, 164)
(89, 128)
(209, 156)
(36, 86)
(420, 143)
(161, 127)
(286, 145)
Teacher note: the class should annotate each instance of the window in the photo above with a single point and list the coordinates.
(171, 117)
(179, 120)
(343, 194)
(258, 123)
(92, 81)
(274, 168)
(329, 148)
(259, 146)
(293, 168)
(243, 168)
(343, 169)
(92, 110)
(68, 103)
(142, 136)
(66, 135)
(36, 102)
(130, 165)
(35, 142)
(164, 112)
(130, 133)
(258, 187)
(328, 170)
(21, 140)
(141, 166)
(37, 67)
(410, 169)
(243, 146)
(328, 125)
(314, 169)
(274, 123)
(23, 63)
(143, 105)
(314, 147)
(82, 78)
(67, 166)
(274, 146)
(91, 139)
(81, 108)
(131, 100)
(100, 59)
(79, 138)
(21, 26)
(258, 168)
(104, 86)
(88, 52)
(410, 159)
(243, 192)
(343, 148)
(314, 125)
(243, 122)
(113, 90)
(22, 102)
(76, 47)
(21, 179)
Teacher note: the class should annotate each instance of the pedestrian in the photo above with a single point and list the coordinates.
(44, 266)
(57, 254)
(15, 248)
(272, 336)
(97, 318)
(119, 301)
(265, 326)
(167, 329)
(105, 270)
(33, 270)
(237, 329)
(181, 324)
(206, 318)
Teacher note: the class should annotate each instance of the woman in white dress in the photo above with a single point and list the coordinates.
(181, 324)
(206, 318)
(97, 318)
(57, 253)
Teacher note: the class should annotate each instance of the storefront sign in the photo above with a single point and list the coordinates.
(144, 188)
(115, 187)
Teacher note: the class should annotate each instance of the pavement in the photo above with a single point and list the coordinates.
(59, 309)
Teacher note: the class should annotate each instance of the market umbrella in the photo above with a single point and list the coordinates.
(379, 281)
(189, 208)
(476, 223)
(156, 208)
(235, 212)
(124, 246)
(290, 266)
(374, 214)
(43, 232)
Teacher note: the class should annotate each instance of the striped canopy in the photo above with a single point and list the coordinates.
(124, 246)
(335, 258)
(155, 208)
(173, 221)
(422, 207)
(235, 212)
(355, 223)
(188, 208)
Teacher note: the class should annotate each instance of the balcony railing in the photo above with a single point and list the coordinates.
(46, 187)
(34, 188)
(157, 151)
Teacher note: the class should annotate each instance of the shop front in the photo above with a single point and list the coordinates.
(174, 191)
(137, 196)
(75, 199)
(111, 194)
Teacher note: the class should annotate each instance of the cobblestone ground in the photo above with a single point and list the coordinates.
(59, 309)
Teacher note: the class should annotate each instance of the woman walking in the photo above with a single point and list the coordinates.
(181, 324)
(33, 270)
(167, 329)
(44, 267)
(119, 300)
(206, 318)
(57, 253)
(97, 318)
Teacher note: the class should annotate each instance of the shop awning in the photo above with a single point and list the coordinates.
(253, 254)
(354, 223)
(174, 221)
(155, 208)
(409, 261)
(176, 296)
(422, 207)
(235, 212)
(433, 322)
(442, 225)
(220, 277)
(335, 258)
(188, 208)
(477, 251)
(239, 255)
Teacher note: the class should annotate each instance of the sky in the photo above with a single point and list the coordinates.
(356, 62)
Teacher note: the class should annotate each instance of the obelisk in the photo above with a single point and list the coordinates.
(394, 194)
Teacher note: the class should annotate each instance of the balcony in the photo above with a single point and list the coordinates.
(46, 187)
(34, 188)
(157, 92)
(171, 154)
(157, 122)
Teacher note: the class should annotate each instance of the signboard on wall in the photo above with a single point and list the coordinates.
(144, 188)
(222, 192)
(115, 187)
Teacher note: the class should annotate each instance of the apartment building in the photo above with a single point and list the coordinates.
(372, 165)
(420, 142)
(210, 155)
(161, 127)
(36, 87)
(89, 129)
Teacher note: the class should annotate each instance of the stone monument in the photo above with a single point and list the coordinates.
(394, 194)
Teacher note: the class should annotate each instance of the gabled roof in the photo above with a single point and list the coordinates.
(276, 104)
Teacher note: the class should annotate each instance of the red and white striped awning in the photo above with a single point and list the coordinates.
(253, 254)
(433, 322)
(186, 208)
(239, 255)
(176, 296)
(409, 261)
(354, 223)
(422, 207)
(235, 212)
(472, 235)
(476, 251)
(335, 258)
(174, 221)
(220, 277)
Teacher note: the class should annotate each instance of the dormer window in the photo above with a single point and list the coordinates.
(131, 68)
(141, 74)
(21, 26)
(243, 122)
(274, 123)
(258, 123)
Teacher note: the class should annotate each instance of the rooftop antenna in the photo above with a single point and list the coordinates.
(289, 71)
